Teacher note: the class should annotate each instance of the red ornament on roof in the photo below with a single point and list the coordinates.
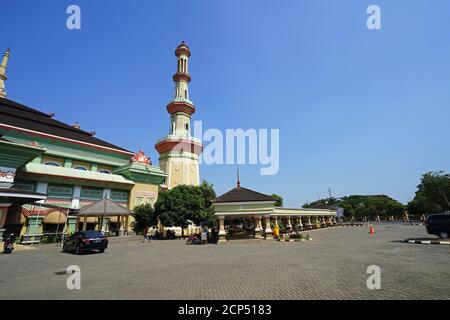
(140, 157)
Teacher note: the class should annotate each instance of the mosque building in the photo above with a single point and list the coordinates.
(55, 176)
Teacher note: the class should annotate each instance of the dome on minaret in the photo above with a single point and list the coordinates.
(183, 49)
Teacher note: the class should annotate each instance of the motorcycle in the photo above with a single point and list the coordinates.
(8, 245)
(193, 239)
(158, 236)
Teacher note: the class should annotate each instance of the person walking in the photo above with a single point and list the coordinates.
(146, 238)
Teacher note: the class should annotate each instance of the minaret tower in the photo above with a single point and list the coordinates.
(3, 77)
(178, 152)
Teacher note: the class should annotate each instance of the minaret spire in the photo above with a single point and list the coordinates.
(182, 77)
(238, 179)
(3, 77)
(181, 107)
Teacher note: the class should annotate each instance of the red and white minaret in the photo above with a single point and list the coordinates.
(179, 152)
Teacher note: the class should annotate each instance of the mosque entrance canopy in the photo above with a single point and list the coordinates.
(19, 197)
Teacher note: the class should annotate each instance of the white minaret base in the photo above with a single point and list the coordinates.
(180, 169)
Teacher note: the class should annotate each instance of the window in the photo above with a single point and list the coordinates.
(60, 191)
(186, 126)
(81, 168)
(25, 186)
(105, 171)
(185, 94)
(150, 200)
(52, 164)
(89, 234)
(138, 201)
(118, 195)
(92, 193)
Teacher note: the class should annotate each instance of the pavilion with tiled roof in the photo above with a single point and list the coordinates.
(255, 208)
(105, 210)
(247, 204)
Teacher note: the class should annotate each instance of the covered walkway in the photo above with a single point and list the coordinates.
(244, 213)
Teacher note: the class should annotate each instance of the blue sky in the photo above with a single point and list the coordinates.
(359, 111)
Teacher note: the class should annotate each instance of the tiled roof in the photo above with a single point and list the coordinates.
(240, 194)
(18, 115)
(105, 207)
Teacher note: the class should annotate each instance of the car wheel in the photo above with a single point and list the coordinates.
(443, 235)
(102, 250)
(64, 248)
(77, 249)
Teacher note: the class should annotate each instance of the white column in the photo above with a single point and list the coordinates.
(257, 227)
(76, 197)
(127, 224)
(300, 224)
(288, 223)
(103, 225)
(268, 230)
(309, 224)
(222, 232)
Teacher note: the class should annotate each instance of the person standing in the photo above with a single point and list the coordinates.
(204, 235)
(146, 238)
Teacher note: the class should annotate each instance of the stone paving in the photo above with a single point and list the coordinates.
(331, 266)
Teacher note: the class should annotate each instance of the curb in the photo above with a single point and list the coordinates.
(294, 240)
(312, 230)
(427, 241)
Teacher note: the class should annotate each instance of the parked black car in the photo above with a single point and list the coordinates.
(438, 224)
(85, 241)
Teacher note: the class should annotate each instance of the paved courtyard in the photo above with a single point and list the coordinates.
(331, 266)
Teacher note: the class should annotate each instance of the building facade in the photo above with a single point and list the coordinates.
(69, 168)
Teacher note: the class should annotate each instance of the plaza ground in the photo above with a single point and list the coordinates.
(331, 266)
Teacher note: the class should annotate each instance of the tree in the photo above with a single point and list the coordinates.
(279, 200)
(360, 206)
(182, 203)
(436, 187)
(144, 216)
(208, 193)
(432, 195)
